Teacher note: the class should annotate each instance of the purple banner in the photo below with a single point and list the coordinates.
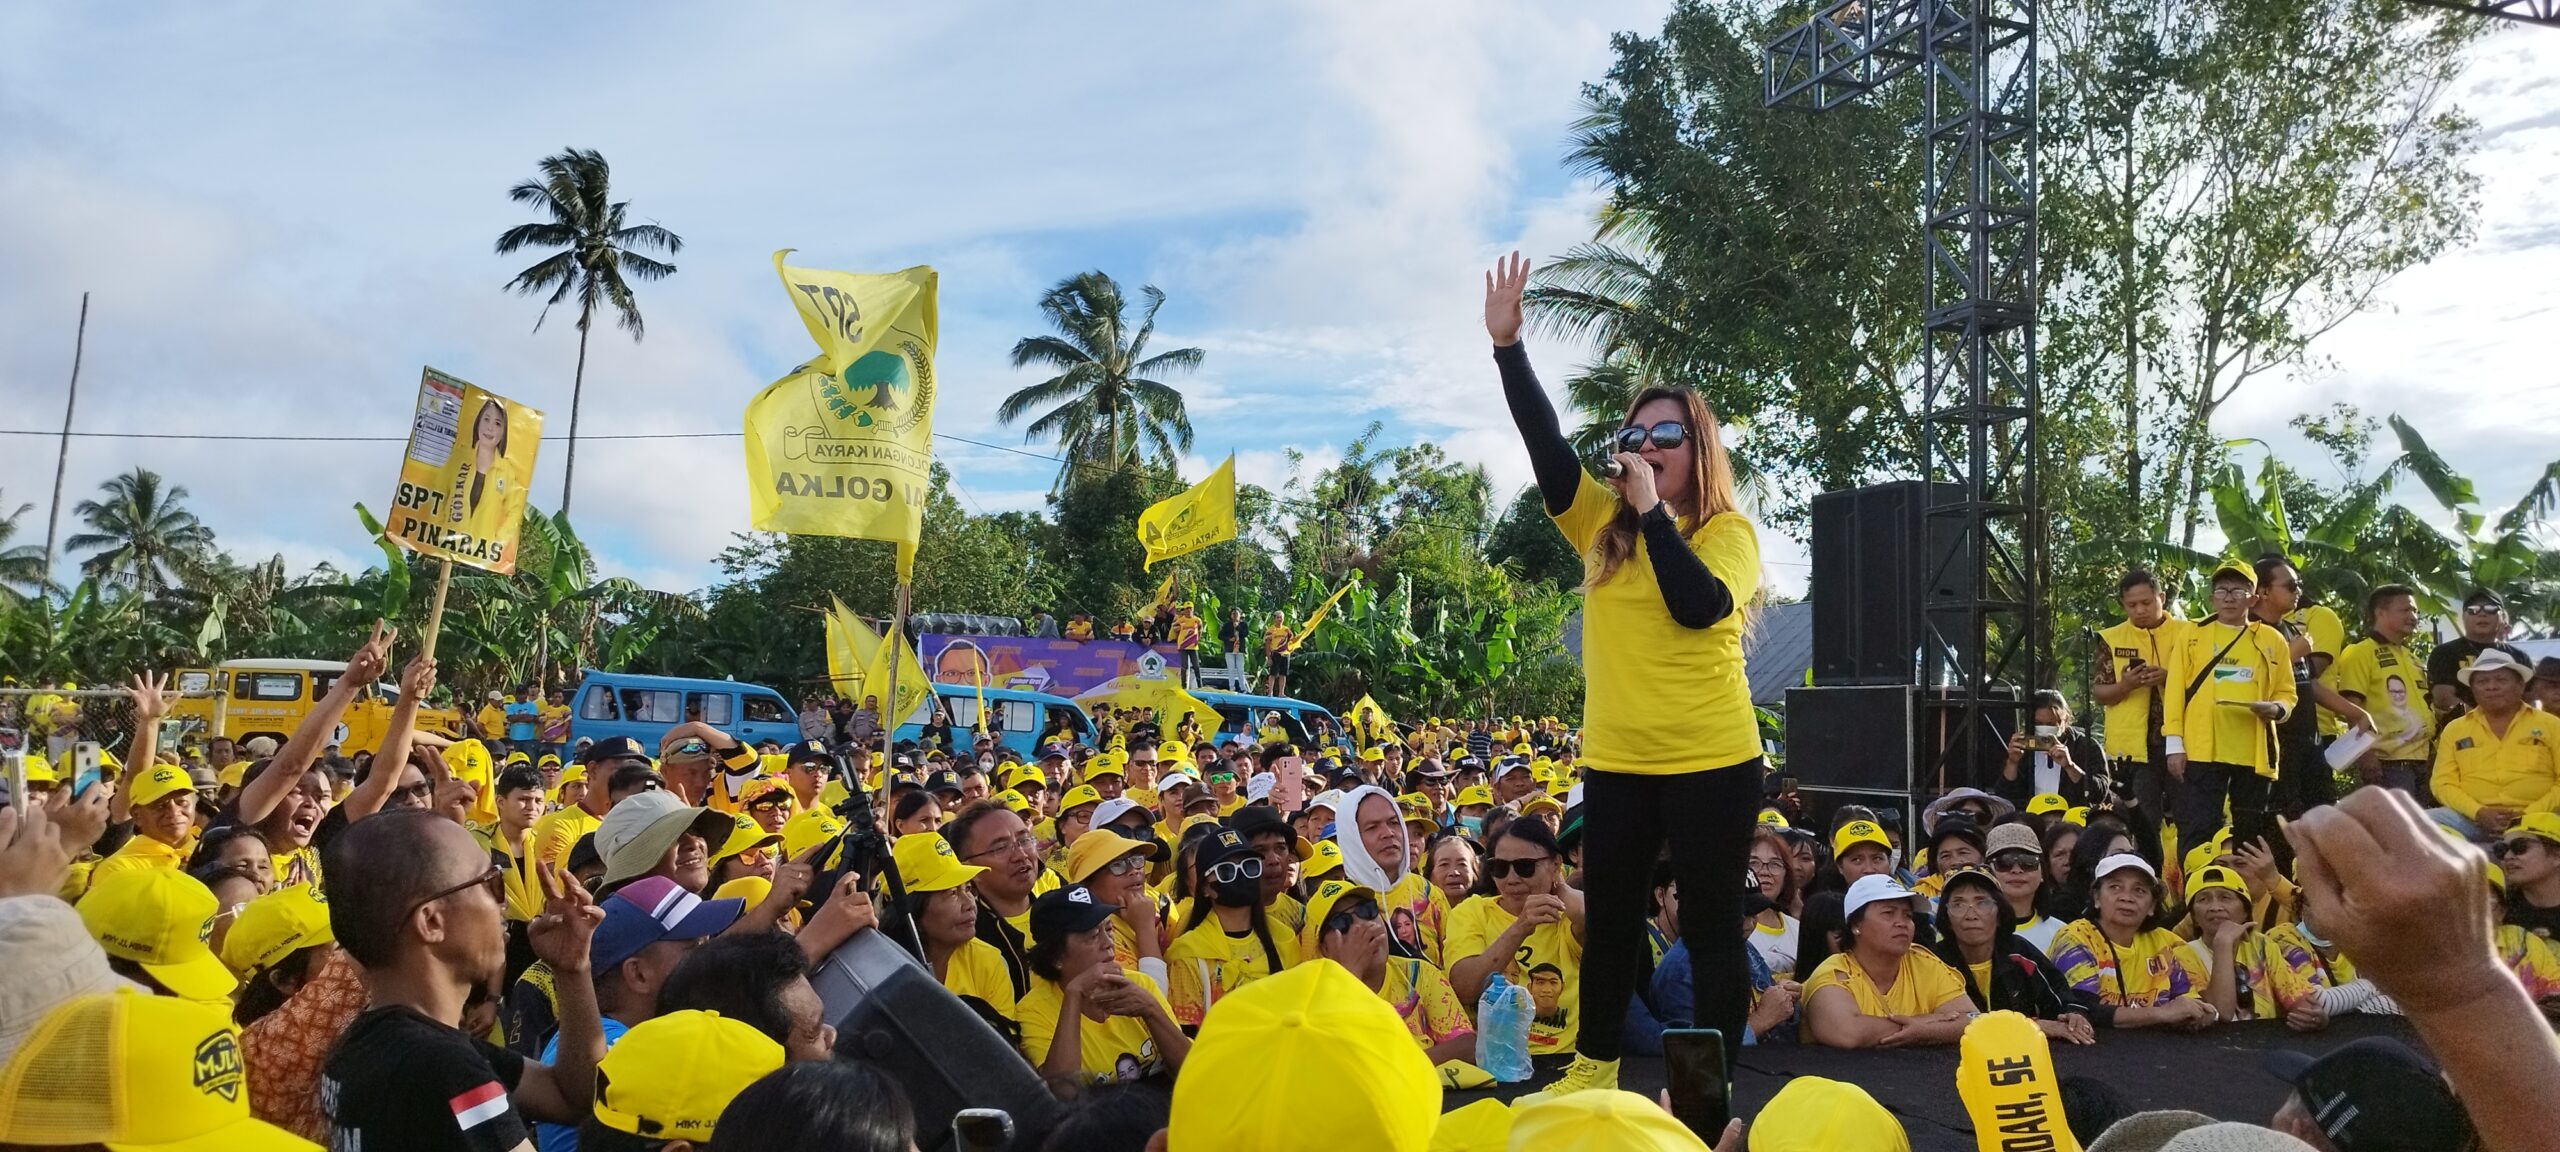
(1039, 663)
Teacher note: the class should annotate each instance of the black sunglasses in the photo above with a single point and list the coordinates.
(1498, 867)
(1666, 435)
(1342, 920)
(495, 880)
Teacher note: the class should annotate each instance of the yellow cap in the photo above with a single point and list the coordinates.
(1540, 802)
(1324, 861)
(1812, 1114)
(2043, 802)
(745, 835)
(1417, 809)
(234, 774)
(39, 769)
(135, 1073)
(1078, 796)
(670, 1077)
(571, 774)
(1603, 1120)
(926, 863)
(808, 830)
(1373, 754)
(1171, 750)
(1105, 765)
(1022, 774)
(2215, 876)
(1101, 846)
(772, 764)
(832, 793)
(2539, 824)
(1311, 1033)
(1484, 1126)
(2198, 857)
(1772, 818)
(2235, 568)
(274, 926)
(1016, 802)
(2077, 814)
(160, 918)
(159, 783)
(1320, 904)
(1474, 794)
(752, 889)
(1858, 832)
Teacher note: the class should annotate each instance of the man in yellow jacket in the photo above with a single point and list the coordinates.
(2220, 720)
(2501, 759)
(2132, 673)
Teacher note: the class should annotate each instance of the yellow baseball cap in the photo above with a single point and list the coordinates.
(1373, 754)
(926, 863)
(1078, 796)
(274, 926)
(2539, 824)
(160, 919)
(1474, 794)
(159, 783)
(39, 769)
(1313, 1032)
(1021, 774)
(2215, 876)
(808, 830)
(1102, 846)
(1324, 861)
(1605, 1120)
(1812, 1114)
(2198, 857)
(670, 1077)
(135, 1073)
(1772, 818)
(1321, 904)
(1417, 809)
(751, 889)
(2235, 568)
(1105, 765)
(2043, 802)
(1540, 802)
(2076, 814)
(571, 774)
(1521, 749)
(234, 774)
(745, 835)
(1484, 1126)
(1171, 750)
(1017, 802)
(1858, 832)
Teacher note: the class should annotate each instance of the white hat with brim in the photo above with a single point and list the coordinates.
(1870, 889)
(2121, 861)
(51, 959)
(2494, 660)
(1113, 809)
(640, 830)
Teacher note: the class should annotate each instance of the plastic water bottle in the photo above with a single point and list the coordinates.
(1502, 1030)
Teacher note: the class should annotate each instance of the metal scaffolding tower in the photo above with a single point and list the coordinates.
(1979, 656)
(2543, 12)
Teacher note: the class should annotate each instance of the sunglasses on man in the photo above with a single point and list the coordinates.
(1666, 435)
(1342, 919)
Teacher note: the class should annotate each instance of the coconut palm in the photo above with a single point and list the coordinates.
(599, 256)
(21, 565)
(1105, 406)
(143, 537)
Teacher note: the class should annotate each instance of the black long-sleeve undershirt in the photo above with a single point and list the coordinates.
(1695, 597)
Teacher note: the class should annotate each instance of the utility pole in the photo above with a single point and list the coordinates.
(62, 455)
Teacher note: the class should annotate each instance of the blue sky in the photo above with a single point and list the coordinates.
(284, 210)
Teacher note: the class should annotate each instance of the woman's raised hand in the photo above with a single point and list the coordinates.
(1502, 288)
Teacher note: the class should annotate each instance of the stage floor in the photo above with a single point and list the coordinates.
(2219, 1073)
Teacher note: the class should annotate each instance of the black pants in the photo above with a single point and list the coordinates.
(2199, 804)
(1707, 818)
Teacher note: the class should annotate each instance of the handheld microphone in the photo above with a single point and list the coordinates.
(1610, 469)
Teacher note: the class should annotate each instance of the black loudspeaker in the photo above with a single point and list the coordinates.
(1852, 738)
(890, 1011)
(1872, 573)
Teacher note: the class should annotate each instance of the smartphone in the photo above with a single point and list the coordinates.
(1701, 1086)
(981, 1130)
(14, 762)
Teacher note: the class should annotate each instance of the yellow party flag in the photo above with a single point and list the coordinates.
(845, 656)
(843, 446)
(2004, 1073)
(909, 707)
(1191, 519)
(1307, 629)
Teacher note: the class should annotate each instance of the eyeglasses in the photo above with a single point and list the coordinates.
(1497, 867)
(1342, 919)
(1666, 435)
(2233, 590)
(1767, 864)
(2015, 862)
(2505, 848)
(1230, 871)
(1124, 865)
(1022, 843)
(417, 794)
(495, 880)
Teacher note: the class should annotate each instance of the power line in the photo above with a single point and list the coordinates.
(335, 439)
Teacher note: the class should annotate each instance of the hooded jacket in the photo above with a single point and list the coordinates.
(1357, 865)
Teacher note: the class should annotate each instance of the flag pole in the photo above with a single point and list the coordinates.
(435, 610)
(893, 654)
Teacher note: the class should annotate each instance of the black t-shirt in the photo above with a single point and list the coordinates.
(2543, 922)
(2453, 655)
(398, 1082)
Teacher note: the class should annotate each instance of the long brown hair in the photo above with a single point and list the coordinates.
(1711, 484)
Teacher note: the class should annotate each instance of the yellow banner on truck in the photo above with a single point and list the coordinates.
(463, 479)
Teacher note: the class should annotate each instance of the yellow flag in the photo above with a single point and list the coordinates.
(1191, 519)
(2004, 1073)
(843, 446)
(462, 482)
(1164, 595)
(1307, 629)
(912, 686)
(846, 657)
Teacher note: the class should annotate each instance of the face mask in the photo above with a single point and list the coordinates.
(1240, 892)
(1472, 826)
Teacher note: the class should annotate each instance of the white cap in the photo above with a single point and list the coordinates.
(2494, 660)
(1172, 780)
(1113, 809)
(1329, 798)
(2121, 861)
(1870, 889)
(1259, 788)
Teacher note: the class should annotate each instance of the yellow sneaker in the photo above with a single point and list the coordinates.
(1583, 1075)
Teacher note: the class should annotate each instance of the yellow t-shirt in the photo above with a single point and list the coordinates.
(2129, 719)
(493, 722)
(1634, 656)
(1417, 913)
(1116, 1048)
(2328, 638)
(2475, 767)
(141, 852)
(2393, 685)
(1548, 964)
(557, 832)
(2153, 970)
(1275, 639)
(1207, 962)
(1421, 994)
(2213, 724)
(1921, 985)
(300, 866)
(978, 970)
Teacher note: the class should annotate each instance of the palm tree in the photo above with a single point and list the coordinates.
(144, 538)
(1105, 406)
(596, 252)
(22, 571)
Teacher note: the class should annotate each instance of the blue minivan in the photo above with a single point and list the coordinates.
(1017, 717)
(644, 707)
(1241, 714)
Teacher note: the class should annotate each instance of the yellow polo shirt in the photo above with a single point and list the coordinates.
(2393, 684)
(2476, 767)
(1920, 985)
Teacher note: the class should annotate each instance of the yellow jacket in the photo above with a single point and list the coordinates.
(2476, 767)
(2129, 719)
(2210, 726)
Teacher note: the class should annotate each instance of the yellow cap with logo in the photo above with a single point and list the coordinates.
(745, 835)
(1772, 818)
(926, 863)
(808, 830)
(160, 919)
(1473, 795)
(159, 783)
(2541, 825)
(669, 1078)
(1321, 904)
(275, 926)
(135, 1072)
(1324, 861)
(1858, 832)
(2215, 876)
(1313, 1032)
(1078, 796)
(2044, 802)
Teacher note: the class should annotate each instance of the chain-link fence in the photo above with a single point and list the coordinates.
(52, 721)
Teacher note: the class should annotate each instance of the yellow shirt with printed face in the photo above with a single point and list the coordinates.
(2120, 648)
(1921, 985)
(1635, 656)
(1115, 1048)
(2393, 685)
(2477, 767)
(1548, 963)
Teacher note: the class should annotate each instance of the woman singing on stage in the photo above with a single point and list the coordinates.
(1670, 743)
